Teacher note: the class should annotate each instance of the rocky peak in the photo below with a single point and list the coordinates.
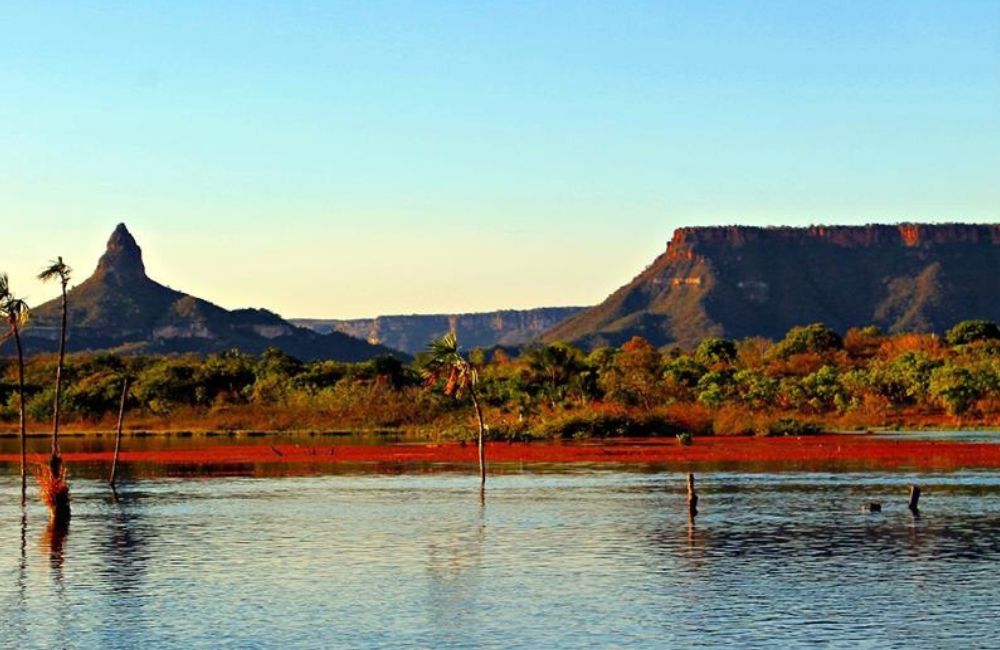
(123, 257)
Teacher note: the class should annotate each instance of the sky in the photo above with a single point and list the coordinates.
(351, 159)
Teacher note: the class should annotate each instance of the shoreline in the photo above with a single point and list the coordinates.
(419, 435)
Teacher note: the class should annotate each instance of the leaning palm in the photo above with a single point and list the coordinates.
(54, 486)
(445, 362)
(15, 313)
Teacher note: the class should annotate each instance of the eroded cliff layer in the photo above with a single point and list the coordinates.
(739, 281)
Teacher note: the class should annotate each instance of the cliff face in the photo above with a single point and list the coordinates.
(120, 307)
(742, 281)
(412, 333)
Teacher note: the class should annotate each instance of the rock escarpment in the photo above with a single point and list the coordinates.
(745, 281)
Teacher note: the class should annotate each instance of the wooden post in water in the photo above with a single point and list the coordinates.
(692, 497)
(914, 499)
(118, 433)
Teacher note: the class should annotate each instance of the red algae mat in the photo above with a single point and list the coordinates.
(798, 452)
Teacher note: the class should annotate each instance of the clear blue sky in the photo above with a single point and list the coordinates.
(348, 159)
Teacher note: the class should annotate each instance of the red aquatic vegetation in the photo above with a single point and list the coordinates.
(807, 452)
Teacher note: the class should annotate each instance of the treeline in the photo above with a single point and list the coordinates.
(813, 378)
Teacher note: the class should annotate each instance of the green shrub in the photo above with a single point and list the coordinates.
(971, 331)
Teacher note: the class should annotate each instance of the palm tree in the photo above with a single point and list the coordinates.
(445, 361)
(54, 489)
(15, 311)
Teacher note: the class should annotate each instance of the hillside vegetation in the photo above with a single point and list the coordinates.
(811, 379)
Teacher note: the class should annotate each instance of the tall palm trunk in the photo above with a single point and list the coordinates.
(118, 434)
(20, 410)
(56, 461)
(482, 437)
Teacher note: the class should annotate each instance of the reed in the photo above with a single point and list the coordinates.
(54, 489)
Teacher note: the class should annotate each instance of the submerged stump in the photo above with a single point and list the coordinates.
(914, 499)
(692, 497)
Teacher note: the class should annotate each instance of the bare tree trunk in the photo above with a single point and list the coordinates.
(118, 433)
(56, 462)
(20, 409)
(482, 438)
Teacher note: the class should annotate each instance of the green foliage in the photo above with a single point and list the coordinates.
(684, 371)
(971, 331)
(552, 370)
(94, 394)
(170, 382)
(816, 338)
(714, 351)
(823, 391)
(956, 387)
(905, 380)
(602, 358)
(716, 387)
(756, 389)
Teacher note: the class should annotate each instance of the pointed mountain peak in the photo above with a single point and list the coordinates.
(123, 256)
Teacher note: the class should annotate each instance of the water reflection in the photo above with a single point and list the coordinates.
(22, 566)
(454, 582)
(53, 543)
(125, 543)
(53, 547)
(695, 542)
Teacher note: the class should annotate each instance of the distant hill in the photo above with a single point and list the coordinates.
(742, 281)
(120, 308)
(412, 333)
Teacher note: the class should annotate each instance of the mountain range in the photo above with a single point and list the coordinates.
(732, 281)
(411, 333)
(120, 308)
(746, 281)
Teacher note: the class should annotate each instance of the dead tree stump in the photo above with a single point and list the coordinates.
(914, 499)
(692, 497)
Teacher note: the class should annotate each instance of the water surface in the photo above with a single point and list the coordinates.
(582, 557)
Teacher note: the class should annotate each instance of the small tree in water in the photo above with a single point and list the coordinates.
(55, 490)
(444, 361)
